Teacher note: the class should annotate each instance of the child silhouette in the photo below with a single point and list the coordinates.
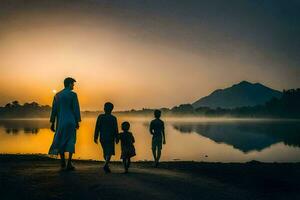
(107, 131)
(157, 130)
(127, 146)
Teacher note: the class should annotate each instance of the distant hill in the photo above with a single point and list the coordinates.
(238, 95)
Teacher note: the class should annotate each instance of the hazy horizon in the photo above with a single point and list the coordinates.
(145, 54)
(127, 109)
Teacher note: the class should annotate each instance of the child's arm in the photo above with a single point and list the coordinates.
(151, 128)
(132, 138)
(163, 133)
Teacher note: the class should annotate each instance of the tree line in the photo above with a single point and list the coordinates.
(288, 106)
(16, 110)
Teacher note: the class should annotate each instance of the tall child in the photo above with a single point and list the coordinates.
(127, 147)
(157, 129)
(107, 129)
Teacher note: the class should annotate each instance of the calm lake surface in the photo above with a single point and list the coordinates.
(214, 140)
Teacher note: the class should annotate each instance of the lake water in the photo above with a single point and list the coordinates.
(216, 140)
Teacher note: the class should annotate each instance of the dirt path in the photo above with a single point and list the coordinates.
(42, 179)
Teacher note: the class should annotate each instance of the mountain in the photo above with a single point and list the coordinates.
(238, 95)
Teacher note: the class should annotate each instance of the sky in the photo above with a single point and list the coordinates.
(145, 53)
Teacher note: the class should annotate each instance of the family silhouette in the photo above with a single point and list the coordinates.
(65, 118)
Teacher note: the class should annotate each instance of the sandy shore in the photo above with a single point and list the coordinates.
(37, 177)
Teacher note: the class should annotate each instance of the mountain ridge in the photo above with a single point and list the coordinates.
(241, 94)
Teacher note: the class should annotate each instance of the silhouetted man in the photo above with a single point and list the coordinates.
(157, 129)
(107, 128)
(66, 114)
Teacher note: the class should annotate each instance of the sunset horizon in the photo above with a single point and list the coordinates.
(54, 92)
(137, 55)
(149, 99)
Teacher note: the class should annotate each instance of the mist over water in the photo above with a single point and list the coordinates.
(199, 139)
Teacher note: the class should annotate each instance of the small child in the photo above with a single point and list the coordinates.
(127, 146)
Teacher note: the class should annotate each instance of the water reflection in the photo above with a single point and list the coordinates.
(246, 135)
(24, 126)
(187, 139)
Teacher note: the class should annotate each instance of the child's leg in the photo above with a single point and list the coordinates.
(128, 163)
(107, 160)
(158, 154)
(159, 147)
(124, 163)
(154, 153)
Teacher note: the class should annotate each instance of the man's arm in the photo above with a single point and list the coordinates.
(76, 110)
(97, 130)
(53, 114)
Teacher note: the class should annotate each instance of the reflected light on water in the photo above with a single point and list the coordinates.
(194, 140)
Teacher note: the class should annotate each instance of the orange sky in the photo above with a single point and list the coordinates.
(115, 60)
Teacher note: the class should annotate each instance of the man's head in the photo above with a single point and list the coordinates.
(69, 83)
(108, 107)
(157, 114)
